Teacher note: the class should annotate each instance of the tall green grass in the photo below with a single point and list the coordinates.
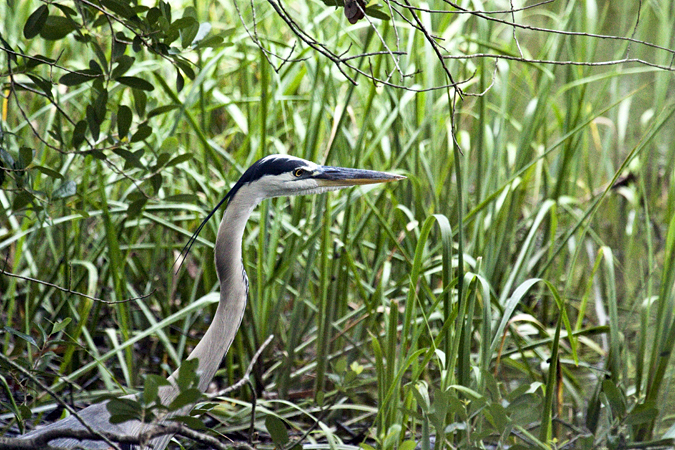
(535, 312)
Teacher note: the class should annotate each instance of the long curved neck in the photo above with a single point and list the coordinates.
(233, 290)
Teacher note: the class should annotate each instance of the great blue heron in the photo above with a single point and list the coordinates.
(272, 176)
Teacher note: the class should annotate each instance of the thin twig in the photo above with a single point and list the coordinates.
(70, 291)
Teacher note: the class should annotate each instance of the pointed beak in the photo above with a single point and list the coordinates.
(340, 176)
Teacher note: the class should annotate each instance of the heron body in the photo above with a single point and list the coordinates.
(272, 176)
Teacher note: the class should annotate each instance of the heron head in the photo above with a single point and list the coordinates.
(283, 175)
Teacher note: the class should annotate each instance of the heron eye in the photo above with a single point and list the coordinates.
(298, 172)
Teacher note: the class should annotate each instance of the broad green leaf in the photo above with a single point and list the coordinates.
(21, 335)
(123, 409)
(79, 133)
(142, 132)
(58, 326)
(35, 22)
(151, 387)
(179, 159)
(124, 117)
(79, 77)
(162, 110)
(120, 7)
(136, 207)
(277, 430)
(377, 13)
(192, 422)
(56, 27)
(185, 398)
(124, 63)
(136, 83)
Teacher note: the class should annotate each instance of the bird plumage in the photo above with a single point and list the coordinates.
(272, 176)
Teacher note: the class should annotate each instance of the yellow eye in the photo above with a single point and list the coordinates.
(298, 172)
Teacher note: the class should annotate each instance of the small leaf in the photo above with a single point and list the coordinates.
(277, 430)
(79, 77)
(92, 122)
(123, 409)
(78, 133)
(22, 200)
(67, 189)
(179, 159)
(123, 121)
(191, 422)
(162, 110)
(131, 159)
(124, 63)
(25, 156)
(185, 398)
(140, 101)
(43, 84)
(56, 27)
(35, 22)
(180, 81)
(59, 326)
(135, 208)
(120, 7)
(151, 387)
(136, 83)
(211, 42)
(22, 336)
(377, 13)
(156, 181)
(142, 132)
(187, 375)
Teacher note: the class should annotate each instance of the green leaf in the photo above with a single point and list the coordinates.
(123, 121)
(211, 42)
(67, 189)
(162, 110)
(187, 375)
(35, 22)
(22, 200)
(123, 409)
(59, 326)
(140, 101)
(92, 122)
(191, 422)
(131, 159)
(179, 159)
(156, 181)
(44, 85)
(277, 430)
(78, 133)
(180, 81)
(185, 398)
(119, 7)
(142, 132)
(642, 413)
(22, 336)
(124, 63)
(136, 83)
(377, 13)
(188, 34)
(615, 398)
(135, 208)
(56, 27)
(25, 156)
(151, 387)
(79, 77)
